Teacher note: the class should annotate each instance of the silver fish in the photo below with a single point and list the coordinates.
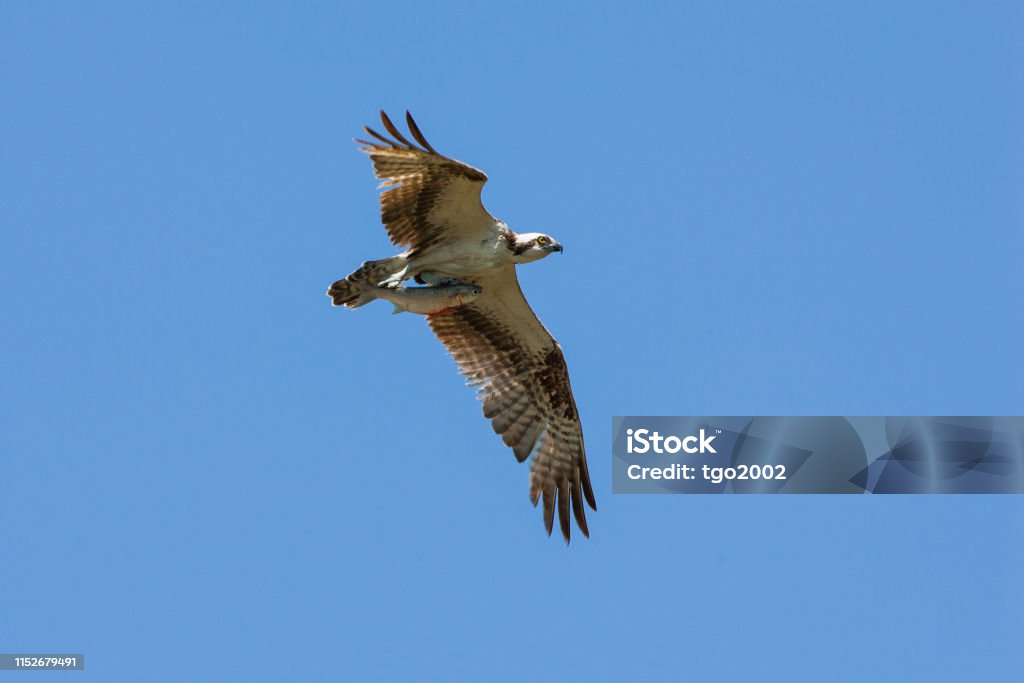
(423, 300)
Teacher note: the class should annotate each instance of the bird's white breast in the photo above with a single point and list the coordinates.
(465, 258)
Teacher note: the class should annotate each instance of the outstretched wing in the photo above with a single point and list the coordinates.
(427, 198)
(520, 374)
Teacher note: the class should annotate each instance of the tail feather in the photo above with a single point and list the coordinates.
(348, 293)
(343, 293)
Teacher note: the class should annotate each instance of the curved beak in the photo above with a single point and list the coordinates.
(555, 246)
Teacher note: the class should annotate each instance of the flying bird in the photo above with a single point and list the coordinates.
(431, 206)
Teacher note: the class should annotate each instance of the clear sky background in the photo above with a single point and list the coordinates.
(211, 474)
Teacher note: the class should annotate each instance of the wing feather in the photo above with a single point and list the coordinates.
(394, 131)
(415, 130)
(521, 377)
(427, 198)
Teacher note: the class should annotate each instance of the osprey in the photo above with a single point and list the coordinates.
(431, 206)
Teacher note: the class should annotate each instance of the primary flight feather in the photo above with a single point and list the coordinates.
(431, 205)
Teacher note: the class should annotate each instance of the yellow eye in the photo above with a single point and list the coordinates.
(542, 241)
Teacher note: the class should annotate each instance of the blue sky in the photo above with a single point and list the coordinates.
(210, 474)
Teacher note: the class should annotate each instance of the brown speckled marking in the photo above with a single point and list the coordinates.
(522, 379)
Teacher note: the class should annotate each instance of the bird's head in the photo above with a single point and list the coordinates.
(531, 246)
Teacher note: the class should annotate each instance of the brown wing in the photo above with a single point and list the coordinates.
(427, 197)
(520, 374)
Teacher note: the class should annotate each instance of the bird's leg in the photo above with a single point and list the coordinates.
(434, 280)
(389, 272)
(394, 281)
